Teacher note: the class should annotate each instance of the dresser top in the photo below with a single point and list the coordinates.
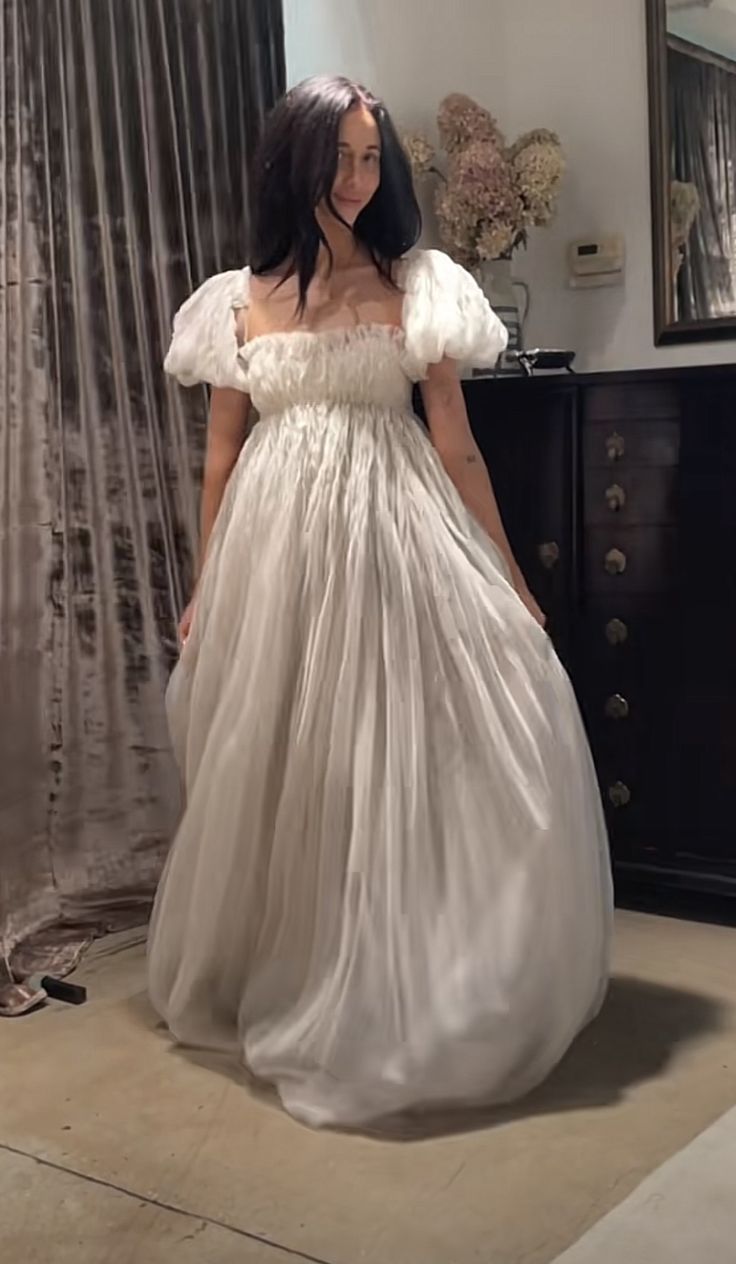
(700, 373)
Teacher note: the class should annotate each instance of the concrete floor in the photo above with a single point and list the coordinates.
(117, 1148)
(682, 1213)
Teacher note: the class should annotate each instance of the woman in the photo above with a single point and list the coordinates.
(390, 889)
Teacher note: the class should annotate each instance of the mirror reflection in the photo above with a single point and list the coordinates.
(701, 108)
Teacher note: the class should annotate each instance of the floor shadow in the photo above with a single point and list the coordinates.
(636, 1035)
(641, 1027)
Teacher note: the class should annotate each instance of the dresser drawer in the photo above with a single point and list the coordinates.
(651, 649)
(626, 722)
(630, 496)
(625, 633)
(641, 401)
(626, 442)
(625, 673)
(627, 560)
(615, 713)
(639, 830)
(636, 801)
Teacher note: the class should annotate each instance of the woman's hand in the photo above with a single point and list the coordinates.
(185, 624)
(531, 605)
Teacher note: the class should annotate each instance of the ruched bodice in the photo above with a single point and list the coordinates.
(363, 365)
(444, 313)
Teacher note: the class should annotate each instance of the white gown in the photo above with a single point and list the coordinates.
(390, 889)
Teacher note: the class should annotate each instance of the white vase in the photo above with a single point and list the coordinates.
(500, 288)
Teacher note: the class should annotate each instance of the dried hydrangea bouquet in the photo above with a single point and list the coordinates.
(489, 195)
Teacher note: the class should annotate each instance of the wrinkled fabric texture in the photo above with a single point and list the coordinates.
(127, 128)
(444, 314)
(390, 889)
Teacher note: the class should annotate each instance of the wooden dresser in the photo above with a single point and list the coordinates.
(619, 496)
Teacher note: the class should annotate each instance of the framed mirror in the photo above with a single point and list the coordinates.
(691, 48)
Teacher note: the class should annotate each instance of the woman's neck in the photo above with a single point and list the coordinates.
(344, 249)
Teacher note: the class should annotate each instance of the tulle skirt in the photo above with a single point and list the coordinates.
(390, 889)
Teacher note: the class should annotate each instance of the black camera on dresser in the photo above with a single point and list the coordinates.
(619, 496)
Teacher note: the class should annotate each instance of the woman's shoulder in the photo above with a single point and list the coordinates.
(433, 265)
(205, 338)
(431, 279)
(446, 313)
(231, 288)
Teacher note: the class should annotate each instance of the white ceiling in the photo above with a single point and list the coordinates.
(728, 5)
(713, 27)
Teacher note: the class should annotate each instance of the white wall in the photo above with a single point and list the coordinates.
(578, 66)
(411, 52)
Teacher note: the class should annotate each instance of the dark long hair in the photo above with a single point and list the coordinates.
(295, 171)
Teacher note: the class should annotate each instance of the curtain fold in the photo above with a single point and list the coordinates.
(127, 128)
(702, 109)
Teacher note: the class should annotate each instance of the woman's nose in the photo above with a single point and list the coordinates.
(350, 174)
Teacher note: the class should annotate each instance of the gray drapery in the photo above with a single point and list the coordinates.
(128, 126)
(702, 110)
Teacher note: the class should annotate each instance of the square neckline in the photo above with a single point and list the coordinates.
(340, 333)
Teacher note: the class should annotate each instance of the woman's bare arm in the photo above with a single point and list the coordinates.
(228, 427)
(226, 433)
(453, 439)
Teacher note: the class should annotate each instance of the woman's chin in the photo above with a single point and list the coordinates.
(348, 212)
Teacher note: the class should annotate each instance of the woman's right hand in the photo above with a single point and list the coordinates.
(185, 624)
(532, 605)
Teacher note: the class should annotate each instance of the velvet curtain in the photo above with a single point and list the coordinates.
(126, 129)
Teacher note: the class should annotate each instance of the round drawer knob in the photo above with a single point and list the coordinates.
(615, 497)
(615, 446)
(619, 794)
(616, 632)
(615, 562)
(617, 708)
(549, 554)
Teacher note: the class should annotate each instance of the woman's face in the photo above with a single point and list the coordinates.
(358, 164)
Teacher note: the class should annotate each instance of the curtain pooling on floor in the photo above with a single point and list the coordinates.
(127, 130)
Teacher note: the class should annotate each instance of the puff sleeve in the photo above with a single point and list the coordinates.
(447, 314)
(204, 346)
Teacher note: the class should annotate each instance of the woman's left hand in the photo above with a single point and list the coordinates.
(531, 604)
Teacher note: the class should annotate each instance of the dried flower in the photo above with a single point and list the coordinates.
(684, 208)
(483, 200)
(538, 136)
(420, 152)
(495, 241)
(539, 165)
(460, 120)
(457, 225)
(491, 194)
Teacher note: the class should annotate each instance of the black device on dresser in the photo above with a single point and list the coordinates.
(618, 492)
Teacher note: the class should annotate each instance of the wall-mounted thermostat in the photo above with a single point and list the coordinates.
(595, 261)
